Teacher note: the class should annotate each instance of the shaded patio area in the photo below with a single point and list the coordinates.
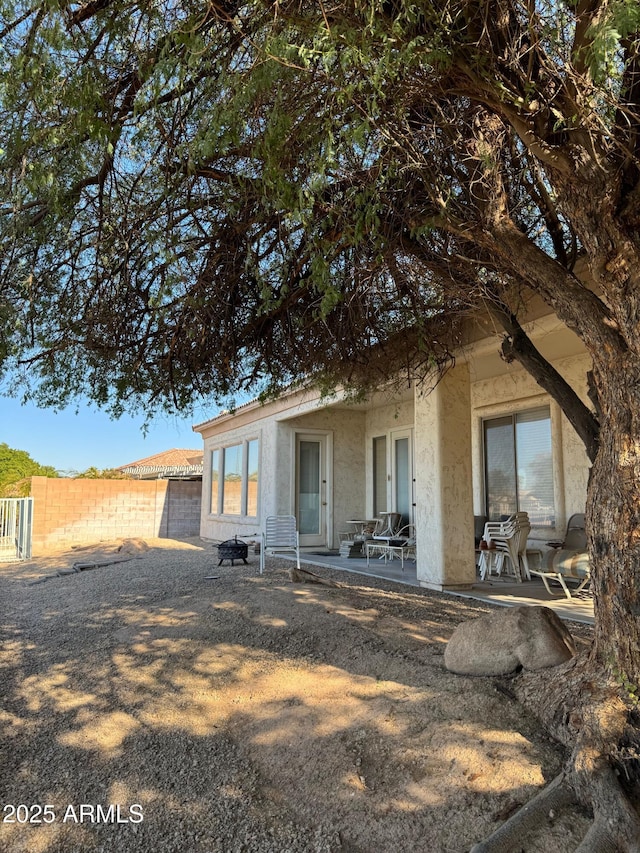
(503, 591)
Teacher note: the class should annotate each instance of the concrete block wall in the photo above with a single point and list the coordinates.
(181, 515)
(69, 512)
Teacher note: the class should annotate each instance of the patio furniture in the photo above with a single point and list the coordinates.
(280, 534)
(351, 548)
(362, 529)
(479, 522)
(484, 559)
(402, 545)
(506, 540)
(352, 542)
(387, 528)
(389, 525)
(381, 534)
(568, 559)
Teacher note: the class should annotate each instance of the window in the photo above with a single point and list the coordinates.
(252, 477)
(402, 479)
(309, 486)
(379, 475)
(234, 479)
(392, 474)
(519, 466)
(215, 480)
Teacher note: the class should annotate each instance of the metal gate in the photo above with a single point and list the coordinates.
(16, 523)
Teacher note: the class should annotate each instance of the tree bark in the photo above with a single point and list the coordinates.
(613, 512)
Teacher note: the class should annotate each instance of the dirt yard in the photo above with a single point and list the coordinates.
(165, 704)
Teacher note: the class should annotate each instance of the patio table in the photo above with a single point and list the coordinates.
(360, 524)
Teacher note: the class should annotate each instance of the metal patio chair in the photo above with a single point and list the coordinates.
(401, 545)
(569, 559)
(280, 534)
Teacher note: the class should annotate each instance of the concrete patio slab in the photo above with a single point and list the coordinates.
(503, 591)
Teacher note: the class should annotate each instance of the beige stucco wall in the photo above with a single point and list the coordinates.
(390, 416)
(444, 495)
(449, 461)
(276, 427)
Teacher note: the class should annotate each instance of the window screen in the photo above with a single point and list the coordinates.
(519, 467)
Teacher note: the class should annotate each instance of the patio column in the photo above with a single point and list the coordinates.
(443, 488)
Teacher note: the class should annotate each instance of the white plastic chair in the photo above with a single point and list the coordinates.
(510, 540)
(280, 534)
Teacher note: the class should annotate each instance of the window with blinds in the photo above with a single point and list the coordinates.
(519, 466)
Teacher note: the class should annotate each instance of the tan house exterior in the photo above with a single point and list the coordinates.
(424, 454)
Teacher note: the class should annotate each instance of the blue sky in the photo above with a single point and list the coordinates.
(76, 441)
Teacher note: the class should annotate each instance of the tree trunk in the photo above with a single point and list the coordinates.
(591, 703)
(613, 513)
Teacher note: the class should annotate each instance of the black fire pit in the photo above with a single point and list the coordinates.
(232, 550)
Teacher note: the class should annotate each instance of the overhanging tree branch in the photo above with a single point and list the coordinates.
(517, 346)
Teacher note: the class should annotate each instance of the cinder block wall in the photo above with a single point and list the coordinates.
(70, 512)
(181, 515)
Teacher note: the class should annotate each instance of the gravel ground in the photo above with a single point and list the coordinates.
(163, 703)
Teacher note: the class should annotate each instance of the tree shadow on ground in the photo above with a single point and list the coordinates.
(249, 713)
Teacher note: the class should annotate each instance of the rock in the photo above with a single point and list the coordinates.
(510, 638)
(133, 546)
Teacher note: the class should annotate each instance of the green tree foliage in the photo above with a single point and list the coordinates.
(15, 467)
(200, 198)
(94, 473)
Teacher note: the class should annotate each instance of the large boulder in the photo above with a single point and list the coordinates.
(510, 638)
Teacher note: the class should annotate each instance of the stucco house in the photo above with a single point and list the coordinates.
(486, 441)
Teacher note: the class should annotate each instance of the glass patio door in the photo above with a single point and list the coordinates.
(402, 474)
(311, 489)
